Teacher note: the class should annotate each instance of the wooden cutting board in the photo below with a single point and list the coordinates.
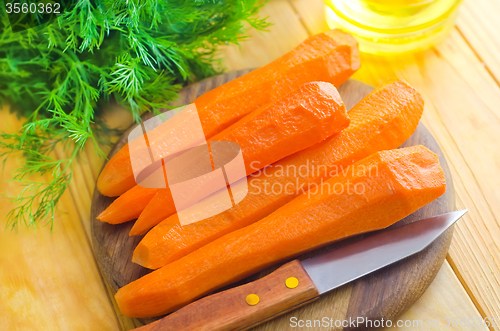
(385, 294)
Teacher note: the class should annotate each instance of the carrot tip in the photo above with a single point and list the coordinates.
(101, 216)
(135, 231)
(141, 254)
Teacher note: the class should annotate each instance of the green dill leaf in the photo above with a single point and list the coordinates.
(59, 76)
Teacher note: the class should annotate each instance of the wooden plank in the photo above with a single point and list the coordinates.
(444, 300)
(478, 23)
(462, 113)
(48, 281)
(88, 166)
(284, 35)
(117, 118)
(80, 189)
(263, 47)
(312, 14)
(464, 122)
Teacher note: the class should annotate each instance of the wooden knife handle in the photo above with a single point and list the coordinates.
(237, 308)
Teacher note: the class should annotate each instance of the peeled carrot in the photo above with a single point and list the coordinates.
(331, 56)
(128, 206)
(149, 217)
(384, 188)
(382, 120)
(299, 120)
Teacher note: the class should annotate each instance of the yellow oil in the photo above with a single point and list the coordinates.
(393, 26)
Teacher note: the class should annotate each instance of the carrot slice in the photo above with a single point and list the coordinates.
(382, 120)
(301, 119)
(331, 56)
(384, 188)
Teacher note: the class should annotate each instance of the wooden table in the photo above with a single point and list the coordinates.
(51, 281)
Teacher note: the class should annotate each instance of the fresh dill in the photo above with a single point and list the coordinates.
(59, 75)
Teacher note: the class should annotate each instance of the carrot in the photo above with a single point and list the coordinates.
(384, 188)
(331, 56)
(382, 120)
(301, 119)
(128, 206)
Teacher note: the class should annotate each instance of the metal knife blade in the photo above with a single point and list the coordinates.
(338, 267)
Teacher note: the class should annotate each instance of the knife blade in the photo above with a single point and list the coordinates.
(338, 267)
(300, 282)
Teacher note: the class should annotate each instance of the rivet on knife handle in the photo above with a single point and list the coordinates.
(231, 309)
(292, 282)
(252, 299)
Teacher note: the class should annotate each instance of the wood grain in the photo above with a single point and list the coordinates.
(48, 280)
(24, 306)
(385, 294)
(478, 24)
(228, 310)
(444, 298)
(462, 95)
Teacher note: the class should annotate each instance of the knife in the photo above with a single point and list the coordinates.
(300, 282)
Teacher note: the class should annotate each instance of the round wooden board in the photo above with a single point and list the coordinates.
(385, 294)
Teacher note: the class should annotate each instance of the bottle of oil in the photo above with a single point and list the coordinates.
(393, 26)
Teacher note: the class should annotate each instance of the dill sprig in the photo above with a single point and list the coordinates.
(58, 76)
